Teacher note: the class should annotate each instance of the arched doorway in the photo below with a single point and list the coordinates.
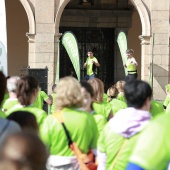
(17, 42)
(137, 17)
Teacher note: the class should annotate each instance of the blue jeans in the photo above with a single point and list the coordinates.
(87, 77)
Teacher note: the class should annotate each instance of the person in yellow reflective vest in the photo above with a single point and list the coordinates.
(131, 65)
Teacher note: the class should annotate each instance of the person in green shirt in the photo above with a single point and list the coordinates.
(156, 108)
(27, 91)
(100, 106)
(6, 127)
(116, 104)
(80, 125)
(120, 134)
(87, 92)
(90, 63)
(120, 86)
(53, 108)
(41, 98)
(152, 151)
(131, 65)
(12, 87)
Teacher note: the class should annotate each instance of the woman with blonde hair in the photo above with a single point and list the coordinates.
(100, 106)
(80, 126)
(116, 104)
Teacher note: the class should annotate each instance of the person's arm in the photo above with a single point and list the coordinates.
(49, 101)
(85, 65)
(132, 166)
(46, 98)
(95, 61)
(134, 62)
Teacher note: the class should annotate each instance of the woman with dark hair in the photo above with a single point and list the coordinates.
(122, 132)
(25, 119)
(27, 90)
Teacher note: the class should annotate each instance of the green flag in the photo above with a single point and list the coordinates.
(122, 43)
(70, 43)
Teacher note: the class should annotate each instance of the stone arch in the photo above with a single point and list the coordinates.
(30, 16)
(144, 16)
(146, 29)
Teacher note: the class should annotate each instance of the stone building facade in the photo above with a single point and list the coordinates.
(146, 23)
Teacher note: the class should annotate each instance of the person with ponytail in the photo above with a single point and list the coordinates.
(27, 90)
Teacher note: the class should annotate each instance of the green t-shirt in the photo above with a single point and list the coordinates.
(90, 65)
(105, 97)
(167, 100)
(53, 106)
(82, 130)
(103, 108)
(110, 143)
(152, 151)
(100, 121)
(117, 105)
(121, 97)
(131, 67)
(39, 113)
(156, 108)
(2, 114)
(9, 103)
(41, 97)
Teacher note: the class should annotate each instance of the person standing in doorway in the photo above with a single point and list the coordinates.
(91, 64)
(131, 65)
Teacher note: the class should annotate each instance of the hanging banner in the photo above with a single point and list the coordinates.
(3, 38)
(70, 43)
(122, 43)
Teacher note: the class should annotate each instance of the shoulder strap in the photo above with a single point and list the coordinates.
(73, 146)
(118, 154)
(58, 115)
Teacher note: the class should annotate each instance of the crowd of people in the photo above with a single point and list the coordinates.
(85, 128)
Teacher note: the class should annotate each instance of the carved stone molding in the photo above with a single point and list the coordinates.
(31, 37)
(57, 37)
(145, 40)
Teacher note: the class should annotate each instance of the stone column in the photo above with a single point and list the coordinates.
(56, 52)
(44, 38)
(145, 57)
(31, 49)
(160, 30)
